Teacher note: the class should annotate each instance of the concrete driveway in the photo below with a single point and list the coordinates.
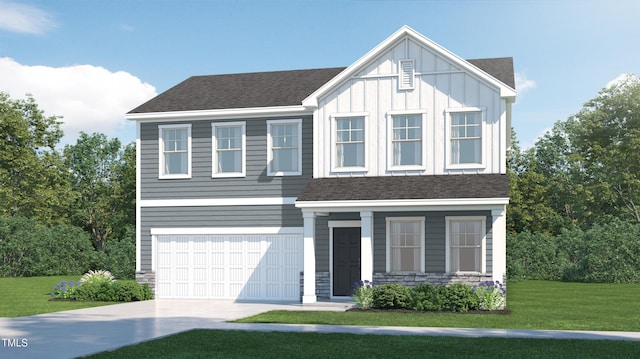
(86, 331)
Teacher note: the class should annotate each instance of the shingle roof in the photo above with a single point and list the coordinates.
(268, 89)
(500, 67)
(406, 187)
(256, 89)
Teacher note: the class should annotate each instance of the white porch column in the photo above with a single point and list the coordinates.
(499, 230)
(309, 269)
(366, 246)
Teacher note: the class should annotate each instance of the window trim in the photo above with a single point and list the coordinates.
(483, 141)
(334, 145)
(297, 122)
(161, 157)
(214, 150)
(483, 243)
(390, 166)
(421, 221)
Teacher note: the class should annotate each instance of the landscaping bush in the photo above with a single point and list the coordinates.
(460, 297)
(392, 296)
(491, 295)
(100, 286)
(131, 291)
(363, 294)
(428, 297)
(96, 292)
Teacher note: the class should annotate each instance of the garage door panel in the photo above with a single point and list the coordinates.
(229, 266)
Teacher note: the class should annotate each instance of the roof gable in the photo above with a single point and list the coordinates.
(302, 87)
(501, 66)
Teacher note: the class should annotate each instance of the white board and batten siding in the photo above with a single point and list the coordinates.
(439, 85)
(249, 266)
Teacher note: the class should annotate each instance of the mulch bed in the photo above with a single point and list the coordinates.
(500, 312)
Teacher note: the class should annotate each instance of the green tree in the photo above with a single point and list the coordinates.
(99, 171)
(529, 207)
(32, 180)
(607, 139)
(585, 170)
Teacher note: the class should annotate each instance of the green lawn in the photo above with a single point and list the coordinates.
(236, 344)
(29, 296)
(533, 305)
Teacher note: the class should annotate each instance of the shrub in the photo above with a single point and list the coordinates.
(28, 249)
(392, 296)
(97, 276)
(491, 295)
(131, 291)
(427, 297)
(608, 253)
(363, 294)
(120, 255)
(64, 290)
(460, 298)
(96, 291)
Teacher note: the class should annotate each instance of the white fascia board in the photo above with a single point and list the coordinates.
(406, 31)
(232, 113)
(403, 205)
(212, 202)
(225, 230)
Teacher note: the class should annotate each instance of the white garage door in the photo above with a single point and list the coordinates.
(248, 267)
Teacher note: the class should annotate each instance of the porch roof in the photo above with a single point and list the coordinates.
(437, 187)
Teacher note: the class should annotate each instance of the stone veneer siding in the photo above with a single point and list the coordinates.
(323, 285)
(413, 279)
(148, 278)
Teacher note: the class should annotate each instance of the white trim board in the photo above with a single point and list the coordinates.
(211, 202)
(225, 230)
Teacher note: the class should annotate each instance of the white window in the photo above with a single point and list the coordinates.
(349, 144)
(405, 244)
(229, 149)
(175, 151)
(406, 147)
(284, 146)
(465, 138)
(466, 244)
(406, 74)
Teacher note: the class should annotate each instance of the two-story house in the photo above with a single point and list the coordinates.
(296, 184)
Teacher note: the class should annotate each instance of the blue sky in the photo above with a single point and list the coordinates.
(92, 61)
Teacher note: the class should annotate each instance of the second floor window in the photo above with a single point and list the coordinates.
(175, 148)
(466, 138)
(350, 142)
(228, 149)
(285, 147)
(407, 140)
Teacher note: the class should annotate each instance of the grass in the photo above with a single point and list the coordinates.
(533, 305)
(237, 344)
(29, 296)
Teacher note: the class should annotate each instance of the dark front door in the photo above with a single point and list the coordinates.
(346, 259)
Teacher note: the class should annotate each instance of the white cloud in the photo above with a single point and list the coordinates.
(22, 18)
(90, 98)
(523, 84)
(619, 78)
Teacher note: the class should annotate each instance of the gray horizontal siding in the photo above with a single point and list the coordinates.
(223, 216)
(201, 185)
(435, 238)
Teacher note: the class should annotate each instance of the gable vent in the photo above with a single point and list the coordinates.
(406, 75)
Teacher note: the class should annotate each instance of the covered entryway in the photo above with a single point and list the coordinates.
(346, 259)
(234, 266)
